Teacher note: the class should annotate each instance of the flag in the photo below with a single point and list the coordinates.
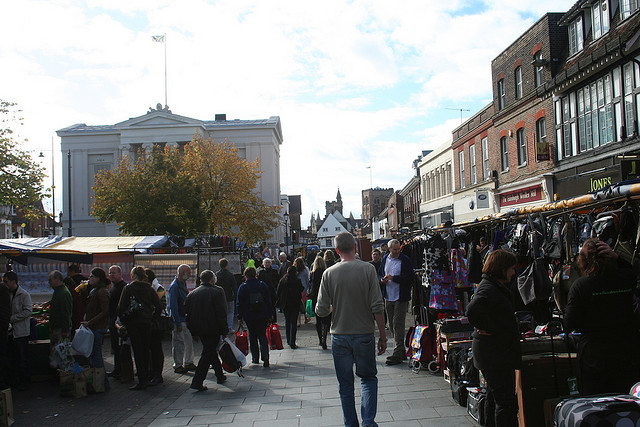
(159, 39)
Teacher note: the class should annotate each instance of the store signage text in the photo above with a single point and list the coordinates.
(596, 184)
(525, 195)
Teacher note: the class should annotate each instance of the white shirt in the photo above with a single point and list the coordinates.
(392, 266)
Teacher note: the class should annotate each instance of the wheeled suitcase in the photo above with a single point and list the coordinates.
(459, 391)
(610, 410)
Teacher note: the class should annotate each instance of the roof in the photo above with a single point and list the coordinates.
(103, 245)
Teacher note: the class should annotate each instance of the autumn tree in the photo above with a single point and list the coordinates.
(21, 177)
(150, 196)
(226, 184)
(208, 189)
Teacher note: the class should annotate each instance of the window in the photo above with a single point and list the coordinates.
(541, 131)
(518, 79)
(337, 229)
(328, 243)
(485, 158)
(472, 162)
(325, 229)
(461, 167)
(628, 7)
(539, 76)
(575, 36)
(600, 18)
(628, 86)
(522, 147)
(504, 150)
(500, 94)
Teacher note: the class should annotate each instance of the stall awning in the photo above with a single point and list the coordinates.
(103, 245)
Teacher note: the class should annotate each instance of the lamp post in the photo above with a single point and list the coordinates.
(286, 231)
(53, 186)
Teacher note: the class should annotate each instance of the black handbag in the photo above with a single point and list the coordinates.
(164, 322)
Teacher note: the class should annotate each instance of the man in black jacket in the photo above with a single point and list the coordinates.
(206, 309)
(117, 285)
(226, 280)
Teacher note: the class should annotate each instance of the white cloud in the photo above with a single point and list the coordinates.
(356, 83)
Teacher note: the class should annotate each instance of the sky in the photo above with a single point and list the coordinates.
(362, 87)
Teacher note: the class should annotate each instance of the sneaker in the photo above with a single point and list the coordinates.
(180, 370)
(190, 367)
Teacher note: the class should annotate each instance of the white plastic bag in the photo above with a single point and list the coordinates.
(82, 343)
(240, 357)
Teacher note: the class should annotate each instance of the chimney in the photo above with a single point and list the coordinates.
(221, 117)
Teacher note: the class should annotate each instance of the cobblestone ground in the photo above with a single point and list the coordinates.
(300, 389)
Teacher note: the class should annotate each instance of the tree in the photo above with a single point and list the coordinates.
(226, 184)
(208, 189)
(149, 197)
(21, 177)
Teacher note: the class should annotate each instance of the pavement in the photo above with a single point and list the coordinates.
(300, 389)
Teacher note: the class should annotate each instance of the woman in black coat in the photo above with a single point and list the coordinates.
(323, 324)
(289, 299)
(496, 339)
(600, 306)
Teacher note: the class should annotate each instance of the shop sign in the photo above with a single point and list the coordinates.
(596, 184)
(524, 195)
(630, 169)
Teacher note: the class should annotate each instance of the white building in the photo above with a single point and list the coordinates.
(333, 224)
(93, 148)
(436, 181)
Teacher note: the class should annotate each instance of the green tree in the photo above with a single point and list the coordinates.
(208, 189)
(21, 177)
(151, 197)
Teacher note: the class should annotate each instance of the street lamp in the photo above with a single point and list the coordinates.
(286, 230)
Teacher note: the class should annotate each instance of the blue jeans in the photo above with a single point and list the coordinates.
(231, 313)
(96, 354)
(361, 350)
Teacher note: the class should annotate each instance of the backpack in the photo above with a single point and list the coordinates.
(256, 302)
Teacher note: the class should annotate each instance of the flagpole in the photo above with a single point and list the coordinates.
(165, 70)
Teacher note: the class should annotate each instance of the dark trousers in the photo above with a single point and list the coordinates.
(291, 326)
(501, 386)
(140, 336)
(209, 357)
(115, 347)
(3, 363)
(157, 355)
(258, 335)
(18, 368)
(323, 324)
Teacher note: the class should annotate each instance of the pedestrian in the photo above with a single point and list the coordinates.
(206, 309)
(397, 277)
(600, 307)
(227, 281)
(157, 355)
(72, 281)
(322, 323)
(117, 285)
(496, 337)
(255, 308)
(20, 329)
(284, 264)
(289, 299)
(60, 309)
(138, 306)
(181, 342)
(329, 258)
(97, 316)
(303, 275)
(350, 290)
(269, 275)
(5, 316)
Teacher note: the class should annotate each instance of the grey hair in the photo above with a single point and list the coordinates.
(344, 242)
(393, 242)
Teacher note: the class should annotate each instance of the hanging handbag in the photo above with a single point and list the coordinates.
(309, 309)
(459, 270)
(443, 293)
(242, 341)
(569, 270)
(164, 322)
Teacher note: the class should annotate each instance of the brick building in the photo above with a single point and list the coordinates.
(474, 158)
(410, 194)
(596, 96)
(374, 200)
(522, 121)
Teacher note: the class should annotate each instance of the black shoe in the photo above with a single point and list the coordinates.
(113, 374)
(324, 345)
(199, 387)
(266, 364)
(293, 346)
(255, 361)
(222, 379)
(138, 386)
(190, 367)
(394, 361)
(180, 370)
(155, 381)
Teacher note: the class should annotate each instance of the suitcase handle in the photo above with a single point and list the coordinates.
(618, 406)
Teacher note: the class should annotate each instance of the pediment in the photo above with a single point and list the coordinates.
(158, 119)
